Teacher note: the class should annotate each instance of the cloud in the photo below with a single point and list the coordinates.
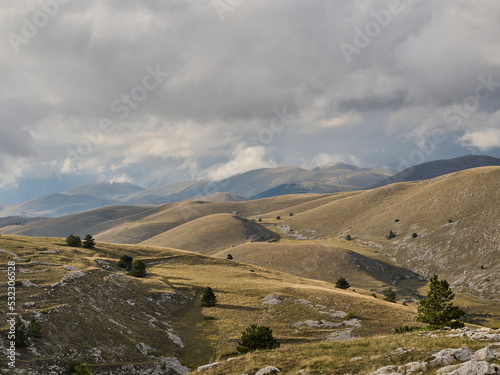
(482, 140)
(243, 159)
(225, 78)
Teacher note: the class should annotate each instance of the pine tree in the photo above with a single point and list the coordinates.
(391, 235)
(138, 268)
(74, 241)
(89, 242)
(342, 283)
(208, 299)
(229, 256)
(34, 329)
(125, 262)
(437, 308)
(257, 337)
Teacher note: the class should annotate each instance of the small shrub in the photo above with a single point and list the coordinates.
(257, 337)
(291, 214)
(208, 299)
(28, 259)
(206, 317)
(350, 315)
(34, 329)
(414, 235)
(390, 295)
(260, 219)
(278, 217)
(229, 256)
(450, 221)
(408, 329)
(391, 235)
(397, 220)
(73, 241)
(163, 365)
(138, 268)
(374, 295)
(81, 369)
(44, 311)
(342, 283)
(348, 237)
(21, 334)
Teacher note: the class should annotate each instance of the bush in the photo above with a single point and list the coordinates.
(350, 315)
(348, 237)
(21, 339)
(229, 256)
(257, 337)
(414, 235)
(138, 268)
(80, 369)
(260, 219)
(390, 295)
(450, 221)
(34, 329)
(397, 220)
(125, 262)
(208, 299)
(391, 235)
(437, 309)
(88, 242)
(342, 283)
(408, 329)
(73, 241)
(291, 214)
(374, 295)
(278, 217)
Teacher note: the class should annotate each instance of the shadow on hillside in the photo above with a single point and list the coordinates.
(236, 307)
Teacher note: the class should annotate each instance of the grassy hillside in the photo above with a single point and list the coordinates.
(212, 233)
(92, 311)
(455, 218)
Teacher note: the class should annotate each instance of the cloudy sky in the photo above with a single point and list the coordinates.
(158, 91)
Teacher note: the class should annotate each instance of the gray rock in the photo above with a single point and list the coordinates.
(474, 368)
(209, 366)
(413, 367)
(268, 370)
(447, 356)
(385, 370)
(485, 354)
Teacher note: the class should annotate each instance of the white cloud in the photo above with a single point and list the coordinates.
(482, 140)
(243, 159)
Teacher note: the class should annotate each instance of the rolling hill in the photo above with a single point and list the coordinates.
(92, 311)
(438, 168)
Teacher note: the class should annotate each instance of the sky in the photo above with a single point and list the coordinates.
(153, 92)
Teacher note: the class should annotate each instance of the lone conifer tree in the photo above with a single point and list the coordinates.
(89, 242)
(437, 308)
(74, 241)
(125, 262)
(257, 337)
(208, 299)
(138, 268)
(342, 283)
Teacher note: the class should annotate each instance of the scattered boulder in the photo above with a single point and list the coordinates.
(271, 300)
(356, 359)
(413, 367)
(268, 370)
(385, 370)
(209, 366)
(475, 368)
(485, 354)
(447, 356)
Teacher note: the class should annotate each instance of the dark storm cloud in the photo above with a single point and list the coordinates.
(225, 69)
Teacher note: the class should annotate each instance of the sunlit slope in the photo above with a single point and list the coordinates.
(318, 262)
(94, 312)
(212, 233)
(456, 219)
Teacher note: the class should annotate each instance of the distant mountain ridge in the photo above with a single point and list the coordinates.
(248, 185)
(438, 168)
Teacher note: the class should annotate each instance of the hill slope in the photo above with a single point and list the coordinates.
(92, 311)
(437, 168)
(213, 233)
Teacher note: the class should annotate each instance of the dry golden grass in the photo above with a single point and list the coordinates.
(212, 233)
